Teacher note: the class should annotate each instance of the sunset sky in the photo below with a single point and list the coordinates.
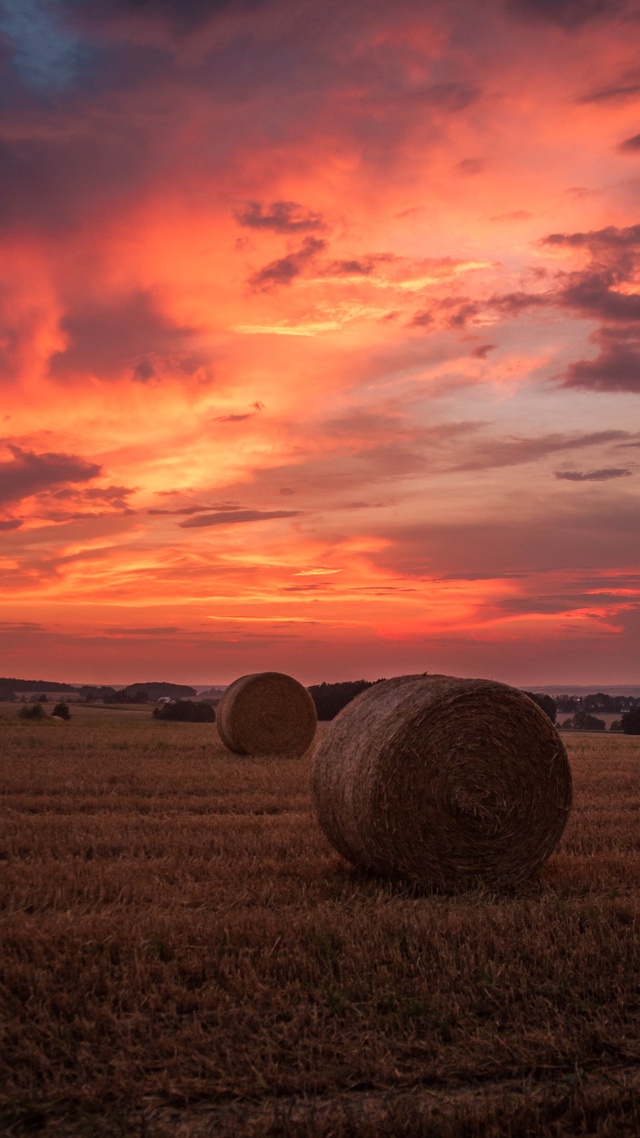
(320, 339)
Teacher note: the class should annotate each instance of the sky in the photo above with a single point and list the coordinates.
(320, 339)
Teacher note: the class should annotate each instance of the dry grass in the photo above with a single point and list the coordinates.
(179, 942)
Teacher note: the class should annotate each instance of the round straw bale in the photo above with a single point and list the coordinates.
(266, 713)
(447, 782)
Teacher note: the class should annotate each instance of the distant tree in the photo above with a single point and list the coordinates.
(547, 704)
(582, 721)
(157, 689)
(34, 685)
(616, 725)
(631, 721)
(139, 696)
(90, 694)
(61, 710)
(43, 699)
(186, 711)
(331, 698)
(31, 711)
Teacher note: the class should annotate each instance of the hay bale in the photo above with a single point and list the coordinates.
(266, 713)
(443, 781)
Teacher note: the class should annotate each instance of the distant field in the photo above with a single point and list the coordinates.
(183, 954)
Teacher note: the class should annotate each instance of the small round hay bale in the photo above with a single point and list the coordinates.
(446, 782)
(266, 713)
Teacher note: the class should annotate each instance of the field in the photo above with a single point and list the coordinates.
(184, 955)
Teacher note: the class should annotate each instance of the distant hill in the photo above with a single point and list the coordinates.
(13, 685)
(157, 689)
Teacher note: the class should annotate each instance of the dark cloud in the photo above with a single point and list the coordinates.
(573, 533)
(616, 368)
(111, 495)
(593, 293)
(513, 303)
(422, 319)
(494, 453)
(449, 96)
(240, 416)
(482, 350)
(236, 517)
(357, 266)
(280, 217)
(29, 473)
(187, 510)
(10, 523)
(631, 144)
(603, 475)
(611, 94)
(567, 14)
(557, 604)
(597, 292)
(286, 269)
(463, 314)
(612, 237)
(108, 338)
(55, 178)
(182, 14)
(158, 630)
(470, 167)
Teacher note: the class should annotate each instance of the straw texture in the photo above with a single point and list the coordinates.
(443, 781)
(266, 713)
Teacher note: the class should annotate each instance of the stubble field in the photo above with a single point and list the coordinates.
(184, 955)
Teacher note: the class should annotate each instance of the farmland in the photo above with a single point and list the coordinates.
(183, 954)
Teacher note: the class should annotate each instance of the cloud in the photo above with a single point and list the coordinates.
(616, 368)
(631, 144)
(548, 605)
(52, 178)
(593, 293)
(187, 510)
(497, 452)
(449, 96)
(513, 303)
(286, 269)
(10, 523)
(154, 630)
(362, 266)
(617, 93)
(111, 495)
(603, 475)
(422, 319)
(128, 333)
(46, 52)
(610, 237)
(470, 167)
(571, 533)
(482, 350)
(236, 517)
(280, 217)
(568, 14)
(184, 15)
(30, 473)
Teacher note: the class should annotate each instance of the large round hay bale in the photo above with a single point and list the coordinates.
(443, 781)
(266, 713)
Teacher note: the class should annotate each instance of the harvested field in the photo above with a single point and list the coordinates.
(184, 954)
